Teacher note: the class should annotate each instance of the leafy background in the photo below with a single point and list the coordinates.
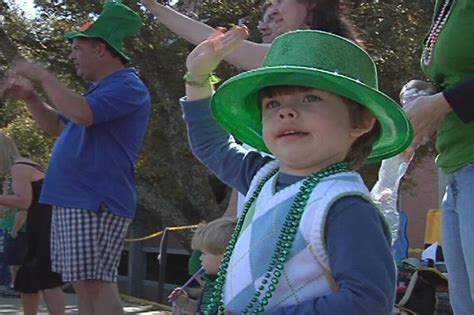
(173, 187)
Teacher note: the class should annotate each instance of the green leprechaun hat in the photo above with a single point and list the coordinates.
(318, 60)
(114, 24)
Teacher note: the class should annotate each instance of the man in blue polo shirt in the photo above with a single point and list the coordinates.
(90, 179)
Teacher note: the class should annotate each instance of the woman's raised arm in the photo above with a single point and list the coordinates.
(249, 55)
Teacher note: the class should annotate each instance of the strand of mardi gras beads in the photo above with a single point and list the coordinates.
(432, 38)
(285, 241)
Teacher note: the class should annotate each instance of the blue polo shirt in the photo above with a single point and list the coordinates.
(96, 164)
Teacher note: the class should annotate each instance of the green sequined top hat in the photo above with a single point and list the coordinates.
(319, 60)
(116, 22)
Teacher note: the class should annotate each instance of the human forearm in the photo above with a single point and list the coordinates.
(249, 55)
(210, 143)
(14, 201)
(20, 220)
(426, 113)
(47, 118)
(231, 210)
(70, 104)
(197, 91)
(356, 235)
(440, 105)
(214, 147)
(189, 29)
(461, 100)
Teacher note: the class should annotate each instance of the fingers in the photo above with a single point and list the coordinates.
(227, 41)
(176, 294)
(219, 31)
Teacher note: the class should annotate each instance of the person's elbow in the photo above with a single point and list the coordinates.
(23, 202)
(80, 112)
(83, 117)
(374, 300)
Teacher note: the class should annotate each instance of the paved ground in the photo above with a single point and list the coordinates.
(12, 306)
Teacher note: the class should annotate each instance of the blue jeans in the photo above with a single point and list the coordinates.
(458, 239)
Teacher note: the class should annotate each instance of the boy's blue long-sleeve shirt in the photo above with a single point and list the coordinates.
(359, 252)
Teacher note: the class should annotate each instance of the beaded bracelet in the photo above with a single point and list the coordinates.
(210, 78)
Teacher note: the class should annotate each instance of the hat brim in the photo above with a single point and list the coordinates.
(118, 50)
(236, 105)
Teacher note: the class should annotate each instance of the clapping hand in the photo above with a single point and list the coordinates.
(205, 58)
(27, 69)
(18, 87)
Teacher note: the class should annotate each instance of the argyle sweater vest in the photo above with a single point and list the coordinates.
(306, 274)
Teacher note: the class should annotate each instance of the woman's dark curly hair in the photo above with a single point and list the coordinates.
(330, 16)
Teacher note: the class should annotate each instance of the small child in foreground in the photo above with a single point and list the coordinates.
(309, 240)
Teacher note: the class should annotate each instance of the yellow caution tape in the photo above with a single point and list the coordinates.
(173, 228)
(135, 300)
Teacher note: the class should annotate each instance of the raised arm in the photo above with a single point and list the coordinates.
(70, 104)
(47, 118)
(248, 55)
(212, 145)
(205, 58)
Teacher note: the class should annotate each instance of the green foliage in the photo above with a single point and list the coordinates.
(173, 187)
(31, 141)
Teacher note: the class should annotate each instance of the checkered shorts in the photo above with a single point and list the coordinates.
(87, 245)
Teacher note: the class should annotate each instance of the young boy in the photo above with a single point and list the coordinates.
(309, 240)
(211, 239)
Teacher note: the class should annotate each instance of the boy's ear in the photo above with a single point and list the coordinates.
(363, 125)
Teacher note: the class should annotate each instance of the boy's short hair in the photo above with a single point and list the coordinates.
(214, 236)
(362, 146)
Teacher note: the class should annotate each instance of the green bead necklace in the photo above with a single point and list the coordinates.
(274, 271)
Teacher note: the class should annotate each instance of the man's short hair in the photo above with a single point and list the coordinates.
(112, 51)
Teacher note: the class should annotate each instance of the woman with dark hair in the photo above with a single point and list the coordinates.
(279, 17)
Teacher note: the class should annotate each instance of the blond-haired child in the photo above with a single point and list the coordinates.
(211, 239)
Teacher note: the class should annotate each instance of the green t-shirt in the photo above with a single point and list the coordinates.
(453, 63)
